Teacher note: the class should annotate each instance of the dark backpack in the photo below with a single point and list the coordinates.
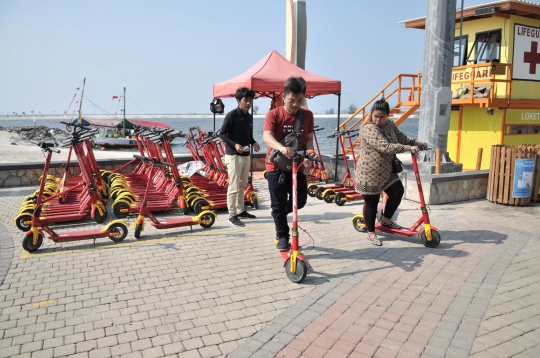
(217, 106)
(292, 140)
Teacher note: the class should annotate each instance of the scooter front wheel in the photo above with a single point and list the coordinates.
(301, 271)
(138, 229)
(435, 239)
(356, 223)
(254, 201)
(117, 232)
(28, 243)
(98, 218)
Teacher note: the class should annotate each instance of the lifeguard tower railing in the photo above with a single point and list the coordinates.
(487, 85)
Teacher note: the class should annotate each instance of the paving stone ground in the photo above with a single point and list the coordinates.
(223, 291)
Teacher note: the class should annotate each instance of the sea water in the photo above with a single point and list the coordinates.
(326, 145)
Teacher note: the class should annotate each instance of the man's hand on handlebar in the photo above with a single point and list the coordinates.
(287, 151)
(311, 155)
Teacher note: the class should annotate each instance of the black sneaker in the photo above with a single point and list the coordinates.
(283, 244)
(245, 215)
(233, 220)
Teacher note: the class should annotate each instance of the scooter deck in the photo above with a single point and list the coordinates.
(176, 222)
(405, 232)
(79, 235)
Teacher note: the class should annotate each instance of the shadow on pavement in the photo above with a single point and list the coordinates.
(408, 258)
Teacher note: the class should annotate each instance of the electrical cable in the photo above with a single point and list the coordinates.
(136, 103)
(311, 240)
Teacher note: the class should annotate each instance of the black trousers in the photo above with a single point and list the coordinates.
(395, 193)
(281, 199)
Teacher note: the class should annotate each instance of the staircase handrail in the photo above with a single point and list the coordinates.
(413, 98)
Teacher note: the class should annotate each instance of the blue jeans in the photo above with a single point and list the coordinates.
(281, 199)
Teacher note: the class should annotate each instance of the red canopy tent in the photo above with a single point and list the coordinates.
(267, 76)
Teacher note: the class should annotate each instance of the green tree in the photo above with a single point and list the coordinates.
(352, 108)
(330, 111)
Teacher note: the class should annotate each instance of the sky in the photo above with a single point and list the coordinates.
(169, 53)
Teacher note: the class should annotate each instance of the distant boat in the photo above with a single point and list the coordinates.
(116, 133)
(110, 131)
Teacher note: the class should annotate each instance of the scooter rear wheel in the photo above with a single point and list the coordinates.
(120, 210)
(301, 271)
(339, 199)
(117, 232)
(21, 222)
(435, 239)
(357, 226)
(28, 243)
(318, 193)
(198, 205)
(329, 196)
(207, 220)
(312, 190)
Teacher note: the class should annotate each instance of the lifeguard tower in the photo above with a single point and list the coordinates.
(495, 79)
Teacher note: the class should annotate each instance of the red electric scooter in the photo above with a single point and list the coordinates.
(116, 230)
(206, 218)
(429, 236)
(294, 262)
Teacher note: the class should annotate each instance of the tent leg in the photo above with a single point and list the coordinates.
(337, 137)
(214, 122)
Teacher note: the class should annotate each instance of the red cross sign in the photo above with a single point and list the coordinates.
(526, 53)
(532, 57)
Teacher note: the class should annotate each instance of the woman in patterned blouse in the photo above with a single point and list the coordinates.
(380, 140)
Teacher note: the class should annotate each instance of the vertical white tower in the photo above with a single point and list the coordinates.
(296, 34)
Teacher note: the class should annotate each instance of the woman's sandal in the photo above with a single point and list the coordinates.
(374, 240)
(392, 225)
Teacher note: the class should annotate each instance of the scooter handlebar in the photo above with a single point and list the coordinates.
(153, 160)
(421, 148)
(340, 133)
(175, 134)
(45, 146)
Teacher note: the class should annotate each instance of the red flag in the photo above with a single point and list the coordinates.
(114, 97)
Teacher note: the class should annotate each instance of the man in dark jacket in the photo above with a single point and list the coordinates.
(237, 133)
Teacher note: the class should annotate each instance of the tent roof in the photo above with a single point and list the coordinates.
(268, 75)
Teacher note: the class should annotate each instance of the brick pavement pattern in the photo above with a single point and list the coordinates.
(223, 291)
